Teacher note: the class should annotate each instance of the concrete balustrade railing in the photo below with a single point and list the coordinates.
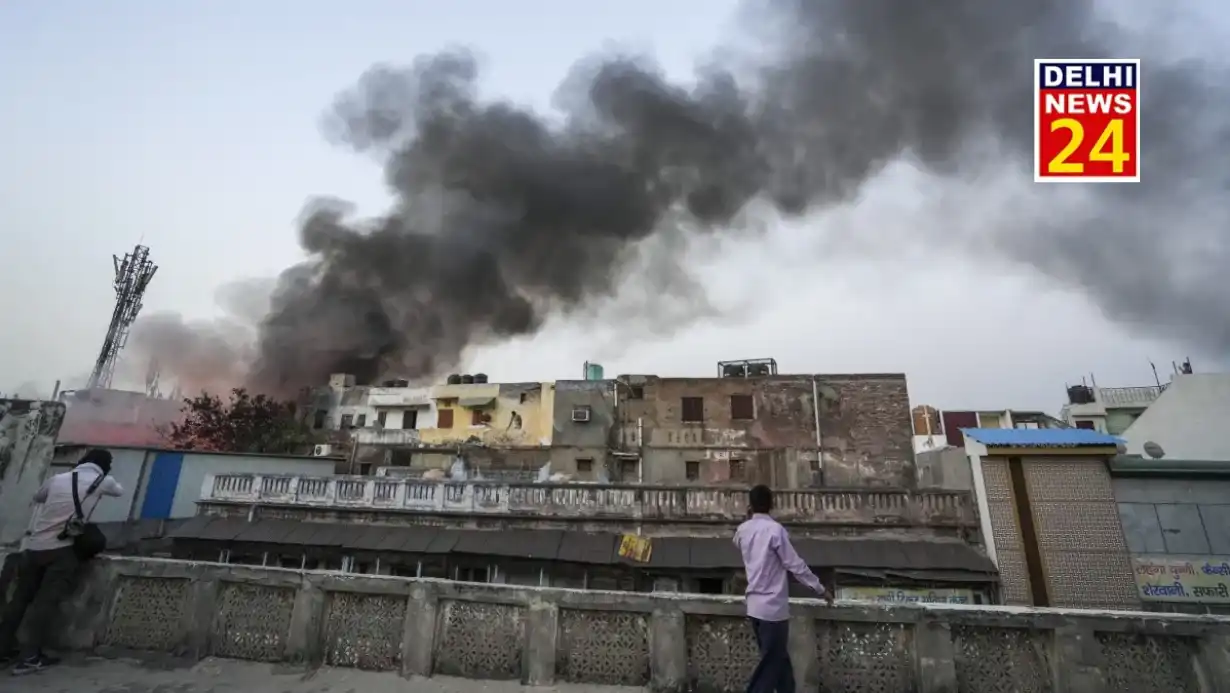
(870, 506)
(668, 642)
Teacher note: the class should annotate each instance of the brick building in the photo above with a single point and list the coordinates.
(747, 425)
(787, 431)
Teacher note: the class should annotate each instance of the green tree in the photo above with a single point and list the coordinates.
(243, 423)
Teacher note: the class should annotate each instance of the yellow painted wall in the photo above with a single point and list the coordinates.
(534, 413)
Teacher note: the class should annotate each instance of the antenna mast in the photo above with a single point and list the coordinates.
(132, 274)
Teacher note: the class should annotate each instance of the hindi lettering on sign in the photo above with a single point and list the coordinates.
(1204, 579)
(890, 595)
(1086, 121)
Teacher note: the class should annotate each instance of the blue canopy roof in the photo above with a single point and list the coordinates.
(1039, 437)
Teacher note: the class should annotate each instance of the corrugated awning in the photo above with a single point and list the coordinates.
(540, 545)
(595, 549)
(922, 559)
(476, 402)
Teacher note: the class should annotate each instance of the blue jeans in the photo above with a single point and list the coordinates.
(774, 673)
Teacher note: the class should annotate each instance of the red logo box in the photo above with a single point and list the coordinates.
(1086, 121)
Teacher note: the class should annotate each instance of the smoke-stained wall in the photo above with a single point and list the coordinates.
(763, 430)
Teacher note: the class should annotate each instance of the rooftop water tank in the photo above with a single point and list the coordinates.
(593, 371)
(467, 379)
(480, 378)
(453, 379)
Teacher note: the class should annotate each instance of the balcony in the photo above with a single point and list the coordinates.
(879, 507)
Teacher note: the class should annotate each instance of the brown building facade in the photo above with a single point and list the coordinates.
(787, 431)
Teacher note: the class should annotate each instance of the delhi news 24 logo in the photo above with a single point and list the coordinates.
(1086, 121)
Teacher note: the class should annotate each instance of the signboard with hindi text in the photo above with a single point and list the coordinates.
(901, 595)
(1204, 579)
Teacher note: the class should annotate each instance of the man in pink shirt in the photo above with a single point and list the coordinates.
(767, 557)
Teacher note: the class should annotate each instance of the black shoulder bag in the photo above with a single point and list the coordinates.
(88, 539)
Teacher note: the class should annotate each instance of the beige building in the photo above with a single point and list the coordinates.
(1049, 518)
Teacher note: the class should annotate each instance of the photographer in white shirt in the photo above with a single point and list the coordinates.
(49, 562)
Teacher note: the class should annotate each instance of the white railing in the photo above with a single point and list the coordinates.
(1129, 396)
(878, 506)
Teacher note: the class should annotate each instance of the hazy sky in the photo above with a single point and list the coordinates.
(194, 129)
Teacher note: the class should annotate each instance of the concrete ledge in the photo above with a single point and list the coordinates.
(668, 642)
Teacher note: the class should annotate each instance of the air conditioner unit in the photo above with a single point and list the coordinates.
(580, 414)
(322, 451)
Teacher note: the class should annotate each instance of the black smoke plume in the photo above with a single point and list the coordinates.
(504, 216)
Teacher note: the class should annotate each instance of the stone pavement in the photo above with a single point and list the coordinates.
(96, 675)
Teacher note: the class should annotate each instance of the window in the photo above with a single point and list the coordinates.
(636, 392)
(523, 396)
(692, 470)
(361, 422)
(1087, 425)
(381, 417)
(693, 409)
(472, 574)
(365, 469)
(478, 417)
(347, 421)
(410, 419)
(627, 471)
(742, 408)
(444, 419)
(585, 465)
(319, 419)
(736, 470)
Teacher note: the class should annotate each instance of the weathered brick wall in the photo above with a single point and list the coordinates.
(864, 425)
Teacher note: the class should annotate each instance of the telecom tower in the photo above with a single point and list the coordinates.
(132, 275)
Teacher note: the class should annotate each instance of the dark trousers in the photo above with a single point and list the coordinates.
(774, 672)
(44, 580)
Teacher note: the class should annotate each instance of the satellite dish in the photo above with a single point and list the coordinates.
(1154, 450)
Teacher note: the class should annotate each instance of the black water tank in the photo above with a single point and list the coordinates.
(401, 383)
(467, 379)
(734, 370)
(1080, 394)
(453, 379)
(480, 378)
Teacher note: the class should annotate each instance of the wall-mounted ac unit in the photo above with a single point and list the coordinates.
(580, 414)
(322, 451)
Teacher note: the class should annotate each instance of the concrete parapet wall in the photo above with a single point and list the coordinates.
(868, 507)
(668, 642)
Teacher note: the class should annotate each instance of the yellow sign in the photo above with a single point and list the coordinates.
(634, 547)
(891, 595)
(1191, 579)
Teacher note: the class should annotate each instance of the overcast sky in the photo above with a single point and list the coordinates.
(195, 130)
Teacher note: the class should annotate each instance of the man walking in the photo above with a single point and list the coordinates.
(49, 564)
(767, 557)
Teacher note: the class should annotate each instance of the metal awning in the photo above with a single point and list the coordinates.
(476, 402)
(922, 559)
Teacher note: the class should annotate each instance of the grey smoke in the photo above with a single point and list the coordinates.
(504, 217)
